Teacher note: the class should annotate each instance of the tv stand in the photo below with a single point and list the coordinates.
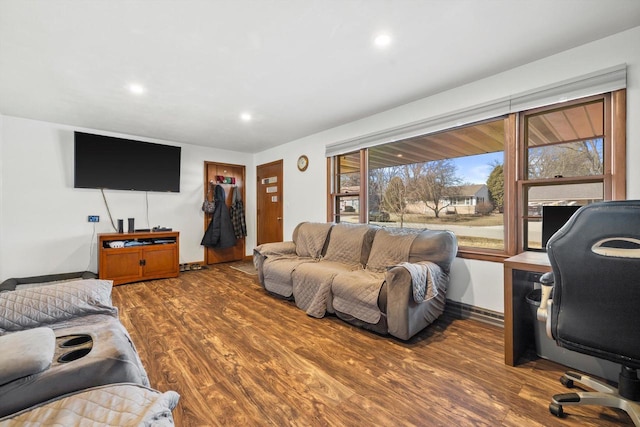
(132, 257)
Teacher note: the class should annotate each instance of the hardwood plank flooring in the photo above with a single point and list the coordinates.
(239, 356)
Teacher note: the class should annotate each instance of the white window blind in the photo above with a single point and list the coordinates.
(602, 81)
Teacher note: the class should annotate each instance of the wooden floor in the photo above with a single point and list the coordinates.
(240, 357)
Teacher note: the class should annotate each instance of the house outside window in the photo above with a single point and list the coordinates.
(442, 181)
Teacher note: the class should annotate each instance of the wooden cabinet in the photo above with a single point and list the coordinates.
(131, 257)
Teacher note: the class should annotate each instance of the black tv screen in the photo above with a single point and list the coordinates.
(553, 218)
(124, 164)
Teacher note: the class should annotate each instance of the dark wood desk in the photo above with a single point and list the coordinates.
(520, 272)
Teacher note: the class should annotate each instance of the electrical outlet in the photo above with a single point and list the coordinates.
(94, 218)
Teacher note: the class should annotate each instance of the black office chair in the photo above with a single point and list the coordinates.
(595, 304)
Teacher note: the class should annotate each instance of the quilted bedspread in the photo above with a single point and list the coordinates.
(112, 405)
(40, 306)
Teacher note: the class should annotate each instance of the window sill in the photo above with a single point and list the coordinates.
(482, 255)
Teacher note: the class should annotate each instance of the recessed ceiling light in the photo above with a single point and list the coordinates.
(245, 117)
(137, 89)
(382, 40)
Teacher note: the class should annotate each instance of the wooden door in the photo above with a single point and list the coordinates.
(269, 201)
(230, 173)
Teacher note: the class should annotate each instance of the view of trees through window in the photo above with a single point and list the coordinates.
(552, 159)
(451, 180)
(565, 163)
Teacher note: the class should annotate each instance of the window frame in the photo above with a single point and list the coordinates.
(515, 170)
(333, 187)
(613, 176)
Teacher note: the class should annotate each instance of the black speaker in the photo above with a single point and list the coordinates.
(120, 226)
(131, 228)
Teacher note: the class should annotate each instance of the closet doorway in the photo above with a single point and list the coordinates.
(231, 178)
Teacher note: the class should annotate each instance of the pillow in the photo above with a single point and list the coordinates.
(346, 242)
(391, 246)
(44, 305)
(26, 353)
(310, 238)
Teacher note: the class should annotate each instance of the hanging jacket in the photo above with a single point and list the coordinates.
(237, 215)
(219, 234)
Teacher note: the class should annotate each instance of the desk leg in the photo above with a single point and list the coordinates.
(518, 320)
(509, 357)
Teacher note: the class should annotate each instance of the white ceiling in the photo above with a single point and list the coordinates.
(298, 66)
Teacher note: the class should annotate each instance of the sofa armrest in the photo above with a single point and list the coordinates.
(274, 249)
(405, 317)
(33, 281)
(26, 353)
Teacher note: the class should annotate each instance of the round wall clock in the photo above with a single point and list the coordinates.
(303, 163)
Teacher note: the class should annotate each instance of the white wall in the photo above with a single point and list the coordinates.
(43, 219)
(477, 283)
(1, 187)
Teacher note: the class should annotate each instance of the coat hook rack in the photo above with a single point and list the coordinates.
(220, 179)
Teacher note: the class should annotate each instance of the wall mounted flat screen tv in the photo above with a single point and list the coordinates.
(124, 164)
(553, 218)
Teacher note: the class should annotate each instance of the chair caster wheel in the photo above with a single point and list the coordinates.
(556, 410)
(567, 382)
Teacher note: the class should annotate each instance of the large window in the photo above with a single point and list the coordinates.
(490, 182)
(565, 153)
(450, 180)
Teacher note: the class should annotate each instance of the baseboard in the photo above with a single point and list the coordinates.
(460, 310)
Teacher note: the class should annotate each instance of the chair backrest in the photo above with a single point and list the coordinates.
(595, 259)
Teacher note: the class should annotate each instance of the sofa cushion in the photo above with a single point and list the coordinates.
(356, 293)
(278, 274)
(390, 247)
(312, 285)
(347, 243)
(25, 353)
(310, 238)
